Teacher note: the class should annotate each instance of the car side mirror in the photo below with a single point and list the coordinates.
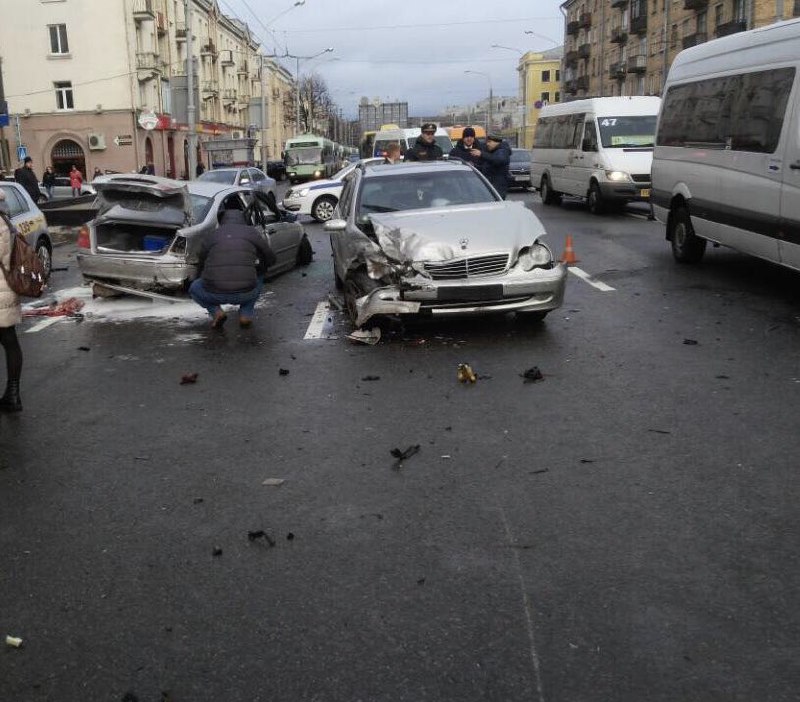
(335, 225)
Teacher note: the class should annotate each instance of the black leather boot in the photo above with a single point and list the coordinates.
(11, 402)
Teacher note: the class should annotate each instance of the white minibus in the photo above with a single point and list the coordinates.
(726, 167)
(407, 138)
(598, 148)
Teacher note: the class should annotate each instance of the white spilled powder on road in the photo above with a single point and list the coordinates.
(131, 307)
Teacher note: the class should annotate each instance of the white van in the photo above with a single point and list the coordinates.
(599, 148)
(407, 138)
(726, 166)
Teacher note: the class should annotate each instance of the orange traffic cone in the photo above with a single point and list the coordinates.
(569, 256)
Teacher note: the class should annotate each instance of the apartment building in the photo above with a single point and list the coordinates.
(80, 75)
(540, 85)
(625, 47)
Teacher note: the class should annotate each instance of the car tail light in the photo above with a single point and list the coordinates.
(83, 238)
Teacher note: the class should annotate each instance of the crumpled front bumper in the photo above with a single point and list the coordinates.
(539, 290)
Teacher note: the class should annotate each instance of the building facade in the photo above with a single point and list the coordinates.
(80, 74)
(625, 47)
(372, 114)
(540, 85)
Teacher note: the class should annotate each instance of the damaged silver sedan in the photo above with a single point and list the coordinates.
(436, 239)
(149, 230)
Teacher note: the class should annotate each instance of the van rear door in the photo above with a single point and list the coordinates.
(789, 241)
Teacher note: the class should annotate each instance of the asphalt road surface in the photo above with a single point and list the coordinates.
(625, 528)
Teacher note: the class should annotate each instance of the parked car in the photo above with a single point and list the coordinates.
(149, 230)
(29, 220)
(519, 169)
(63, 191)
(435, 238)
(318, 199)
(276, 170)
(247, 177)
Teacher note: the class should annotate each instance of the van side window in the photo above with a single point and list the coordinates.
(742, 113)
(589, 137)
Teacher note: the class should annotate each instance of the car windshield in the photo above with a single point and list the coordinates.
(226, 177)
(414, 191)
(521, 155)
(200, 207)
(631, 132)
(305, 156)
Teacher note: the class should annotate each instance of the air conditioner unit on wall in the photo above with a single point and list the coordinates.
(236, 135)
(97, 142)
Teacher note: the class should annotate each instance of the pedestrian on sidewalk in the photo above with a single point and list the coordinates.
(232, 262)
(75, 181)
(10, 316)
(49, 182)
(28, 180)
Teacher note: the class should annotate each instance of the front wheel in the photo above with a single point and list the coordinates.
(686, 246)
(45, 254)
(595, 198)
(549, 196)
(305, 254)
(323, 208)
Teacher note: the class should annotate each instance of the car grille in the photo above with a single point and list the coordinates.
(641, 177)
(467, 267)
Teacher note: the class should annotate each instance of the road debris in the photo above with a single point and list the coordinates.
(403, 455)
(465, 374)
(70, 306)
(273, 482)
(283, 371)
(189, 378)
(659, 431)
(532, 375)
(366, 336)
(216, 551)
(84, 348)
(260, 534)
(13, 641)
(368, 378)
(691, 342)
(537, 472)
(290, 536)
(197, 500)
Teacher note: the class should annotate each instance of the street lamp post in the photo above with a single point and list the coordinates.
(524, 76)
(297, 82)
(489, 119)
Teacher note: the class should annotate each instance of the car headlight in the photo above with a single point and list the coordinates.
(317, 174)
(303, 192)
(535, 256)
(618, 177)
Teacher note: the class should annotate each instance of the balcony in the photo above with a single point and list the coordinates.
(209, 89)
(244, 102)
(584, 51)
(619, 35)
(229, 95)
(571, 59)
(582, 83)
(637, 64)
(573, 28)
(639, 24)
(732, 27)
(695, 4)
(147, 61)
(585, 20)
(226, 58)
(244, 69)
(180, 31)
(619, 3)
(143, 10)
(616, 71)
(208, 49)
(161, 23)
(695, 39)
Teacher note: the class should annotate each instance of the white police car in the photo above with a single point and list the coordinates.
(319, 198)
(28, 219)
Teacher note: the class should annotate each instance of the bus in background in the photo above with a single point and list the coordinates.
(309, 157)
(457, 132)
(367, 140)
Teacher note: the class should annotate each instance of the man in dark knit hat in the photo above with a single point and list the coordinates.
(466, 149)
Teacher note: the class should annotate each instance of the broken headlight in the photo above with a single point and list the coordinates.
(535, 256)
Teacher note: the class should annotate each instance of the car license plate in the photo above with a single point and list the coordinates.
(644, 192)
(521, 177)
(470, 293)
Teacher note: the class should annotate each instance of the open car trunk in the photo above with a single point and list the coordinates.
(124, 237)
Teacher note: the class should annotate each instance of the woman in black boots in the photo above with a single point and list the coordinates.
(10, 316)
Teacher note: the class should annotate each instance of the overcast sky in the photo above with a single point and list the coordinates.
(405, 50)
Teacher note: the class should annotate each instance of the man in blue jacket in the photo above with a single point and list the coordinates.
(232, 262)
(495, 157)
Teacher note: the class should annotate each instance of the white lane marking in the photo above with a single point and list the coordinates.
(583, 275)
(319, 321)
(43, 324)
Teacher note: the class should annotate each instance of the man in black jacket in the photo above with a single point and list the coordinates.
(425, 147)
(28, 180)
(232, 262)
(495, 157)
(467, 149)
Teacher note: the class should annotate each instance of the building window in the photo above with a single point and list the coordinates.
(58, 39)
(717, 15)
(64, 99)
(739, 14)
(558, 96)
(558, 75)
(545, 76)
(702, 19)
(545, 97)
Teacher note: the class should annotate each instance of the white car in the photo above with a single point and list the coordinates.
(319, 198)
(29, 221)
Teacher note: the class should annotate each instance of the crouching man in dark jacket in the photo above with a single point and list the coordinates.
(232, 262)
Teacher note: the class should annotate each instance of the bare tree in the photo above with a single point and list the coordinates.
(315, 102)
